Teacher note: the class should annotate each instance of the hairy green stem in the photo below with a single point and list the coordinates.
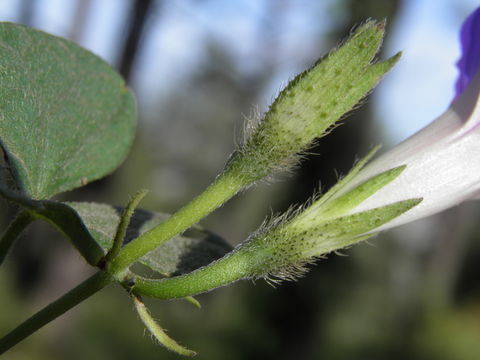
(12, 232)
(157, 331)
(236, 266)
(123, 224)
(75, 296)
(222, 189)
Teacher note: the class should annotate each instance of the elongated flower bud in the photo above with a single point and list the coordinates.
(311, 104)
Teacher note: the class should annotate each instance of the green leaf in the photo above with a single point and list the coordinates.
(194, 248)
(66, 117)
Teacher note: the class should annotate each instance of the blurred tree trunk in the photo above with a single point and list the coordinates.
(136, 26)
(77, 29)
(26, 11)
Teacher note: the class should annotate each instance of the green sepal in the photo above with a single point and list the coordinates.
(355, 197)
(311, 104)
(338, 206)
(347, 230)
(340, 184)
(283, 251)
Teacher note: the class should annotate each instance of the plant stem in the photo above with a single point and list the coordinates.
(222, 189)
(123, 225)
(215, 195)
(12, 232)
(157, 331)
(75, 296)
(236, 266)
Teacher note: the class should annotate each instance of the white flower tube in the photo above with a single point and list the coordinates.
(442, 163)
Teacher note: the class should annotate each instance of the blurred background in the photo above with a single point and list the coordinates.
(199, 67)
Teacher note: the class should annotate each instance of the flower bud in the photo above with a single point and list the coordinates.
(311, 104)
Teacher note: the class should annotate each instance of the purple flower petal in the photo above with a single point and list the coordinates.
(469, 62)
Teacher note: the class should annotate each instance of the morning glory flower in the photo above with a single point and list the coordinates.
(469, 62)
(443, 159)
(437, 168)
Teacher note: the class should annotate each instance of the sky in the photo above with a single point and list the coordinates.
(420, 87)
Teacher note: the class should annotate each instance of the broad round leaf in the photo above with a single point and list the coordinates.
(66, 117)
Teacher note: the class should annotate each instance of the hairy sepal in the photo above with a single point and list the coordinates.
(323, 210)
(311, 104)
(284, 250)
